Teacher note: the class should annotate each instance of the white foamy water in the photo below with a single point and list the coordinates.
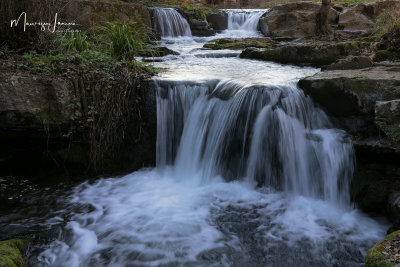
(249, 173)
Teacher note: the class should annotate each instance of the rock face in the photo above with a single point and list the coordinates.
(32, 103)
(312, 54)
(293, 20)
(362, 17)
(40, 124)
(350, 63)
(387, 118)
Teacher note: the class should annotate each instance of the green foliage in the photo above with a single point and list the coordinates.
(11, 253)
(74, 41)
(126, 40)
(387, 23)
(39, 63)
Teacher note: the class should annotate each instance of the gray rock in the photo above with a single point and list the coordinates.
(218, 21)
(350, 62)
(387, 118)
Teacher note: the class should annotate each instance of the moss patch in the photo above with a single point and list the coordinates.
(11, 252)
(240, 43)
(388, 54)
(378, 256)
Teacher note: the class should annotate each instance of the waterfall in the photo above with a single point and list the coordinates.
(169, 23)
(271, 136)
(244, 19)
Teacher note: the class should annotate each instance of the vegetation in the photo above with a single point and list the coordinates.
(387, 31)
(375, 256)
(11, 253)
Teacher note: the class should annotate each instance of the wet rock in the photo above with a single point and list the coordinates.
(293, 20)
(316, 54)
(350, 62)
(362, 17)
(218, 21)
(387, 118)
(385, 253)
(240, 43)
(11, 253)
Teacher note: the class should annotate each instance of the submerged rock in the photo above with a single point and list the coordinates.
(11, 253)
(384, 253)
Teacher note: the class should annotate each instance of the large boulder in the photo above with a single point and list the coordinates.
(316, 54)
(351, 95)
(293, 20)
(362, 17)
(218, 21)
(387, 118)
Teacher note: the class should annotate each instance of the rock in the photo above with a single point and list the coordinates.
(362, 17)
(218, 21)
(159, 51)
(11, 253)
(28, 102)
(355, 19)
(240, 43)
(394, 209)
(384, 253)
(387, 118)
(293, 20)
(350, 62)
(198, 25)
(317, 54)
(350, 95)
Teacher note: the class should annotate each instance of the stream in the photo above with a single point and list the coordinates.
(250, 172)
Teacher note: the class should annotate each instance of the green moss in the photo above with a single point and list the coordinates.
(375, 256)
(11, 252)
(388, 54)
(393, 132)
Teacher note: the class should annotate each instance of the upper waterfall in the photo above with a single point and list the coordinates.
(169, 23)
(244, 19)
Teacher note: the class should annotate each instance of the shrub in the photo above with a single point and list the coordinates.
(74, 41)
(126, 40)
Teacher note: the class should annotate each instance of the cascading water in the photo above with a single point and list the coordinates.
(169, 23)
(244, 19)
(272, 135)
(249, 173)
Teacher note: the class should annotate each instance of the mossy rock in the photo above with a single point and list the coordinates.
(388, 54)
(11, 253)
(377, 256)
(240, 43)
